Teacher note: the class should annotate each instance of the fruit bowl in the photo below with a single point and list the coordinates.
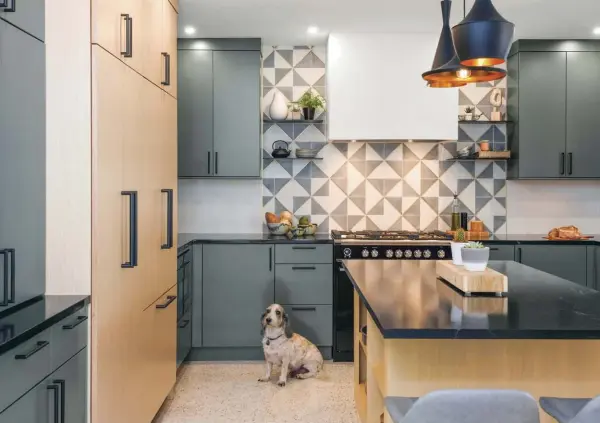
(278, 229)
(309, 230)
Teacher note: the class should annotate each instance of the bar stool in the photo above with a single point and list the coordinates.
(572, 410)
(465, 406)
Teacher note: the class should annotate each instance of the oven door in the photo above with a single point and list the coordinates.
(343, 315)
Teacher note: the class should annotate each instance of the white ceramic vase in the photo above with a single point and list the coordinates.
(278, 110)
(456, 252)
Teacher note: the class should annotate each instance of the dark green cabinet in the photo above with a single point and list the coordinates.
(565, 261)
(197, 296)
(34, 407)
(184, 304)
(219, 109)
(501, 252)
(71, 381)
(27, 15)
(238, 284)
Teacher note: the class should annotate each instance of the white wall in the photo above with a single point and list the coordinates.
(68, 161)
(220, 206)
(535, 207)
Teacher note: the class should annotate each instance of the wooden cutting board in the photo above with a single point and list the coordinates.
(485, 305)
(488, 282)
(473, 236)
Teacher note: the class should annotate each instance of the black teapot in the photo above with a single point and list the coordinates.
(281, 149)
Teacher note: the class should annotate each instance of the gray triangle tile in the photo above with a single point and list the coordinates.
(377, 184)
(323, 191)
(488, 135)
(266, 155)
(267, 83)
(279, 184)
(501, 164)
(447, 210)
(288, 128)
(341, 183)
(279, 207)
(408, 191)
(502, 201)
(361, 166)
(450, 148)
(427, 173)
(397, 225)
(469, 166)
(360, 202)
(487, 172)
(353, 220)
(377, 209)
(341, 220)
(396, 202)
(316, 208)
(280, 74)
(462, 135)
(288, 92)
(342, 172)
(463, 100)
(266, 199)
(266, 163)
(432, 202)
(299, 81)
(371, 165)
(360, 154)
(391, 148)
(288, 55)
(433, 226)
(498, 222)
(434, 154)
(359, 191)
(321, 82)
(445, 165)
(321, 90)
(407, 152)
(414, 220)
(389, 184)
(379, 148)
(480, 191)
(371, 226)
(266, 125)
(397, 166)
(269, 61)
(480, 203)
(445, 191)
(269, 184)
(408, 165)
(446, 218)
(486, 110)
(426, 184)
(311, 60)
(342, 209)
(317, 172)
(288, 165)
(414, 210)
(342, 147)
(499, 184)
(304, 183)
(462, 184)
(299, 202)
(306, 172)
(323, 228)
(266, 90)
(321, 126)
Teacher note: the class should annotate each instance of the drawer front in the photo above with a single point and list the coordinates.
(69, 336)
(310, 253)
(304, 284)
(184, 337)
(23, 367)
(501, 252)
(315, 323)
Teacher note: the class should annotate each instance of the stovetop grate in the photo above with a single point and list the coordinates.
(392, 235)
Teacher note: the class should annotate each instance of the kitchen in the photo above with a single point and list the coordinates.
(169, 178)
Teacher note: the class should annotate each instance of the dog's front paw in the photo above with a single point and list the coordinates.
(281, 383)
(263, 379)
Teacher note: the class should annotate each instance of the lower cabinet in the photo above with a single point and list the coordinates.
(184, 304)
(315, 323)
(501, 252)
(197, 289)
(184, 337)
(565, 261)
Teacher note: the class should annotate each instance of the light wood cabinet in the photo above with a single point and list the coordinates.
(169, 41)
(175, 4)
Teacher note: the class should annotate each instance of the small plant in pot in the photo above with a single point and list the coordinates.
(469, 112)
(460, 240)
(310, 102)
(475, 256)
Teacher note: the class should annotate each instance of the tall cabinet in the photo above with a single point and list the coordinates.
(134, 210)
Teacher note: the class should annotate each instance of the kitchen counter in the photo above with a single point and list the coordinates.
(517, 239)
(186, 239)
(35, 316)
(406, 300)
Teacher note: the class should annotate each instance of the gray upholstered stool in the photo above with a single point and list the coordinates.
(572, 410)
(465, 406)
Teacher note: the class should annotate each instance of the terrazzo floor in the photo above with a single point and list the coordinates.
(231, 393)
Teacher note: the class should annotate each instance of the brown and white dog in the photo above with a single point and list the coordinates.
(297, 355)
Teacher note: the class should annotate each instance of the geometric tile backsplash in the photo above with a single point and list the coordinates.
(367, 185)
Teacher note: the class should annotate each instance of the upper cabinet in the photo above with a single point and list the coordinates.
(552, 95)
(375, 89)
(26, 15)
(219, 116)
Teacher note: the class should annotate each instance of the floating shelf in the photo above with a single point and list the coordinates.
(293, 121)
(485, 122)
(472, 159)
(293, 158)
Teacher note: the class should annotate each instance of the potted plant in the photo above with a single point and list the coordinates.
(484, 145)
(469, 112)
(310, 102)
(295, 109)
(460, 240)
(475, 256)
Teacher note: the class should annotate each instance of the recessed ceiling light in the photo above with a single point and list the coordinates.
(189, 30)
(597, 30)
(312, 30)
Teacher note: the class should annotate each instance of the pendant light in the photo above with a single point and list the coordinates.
(483, 37)
(447, 72)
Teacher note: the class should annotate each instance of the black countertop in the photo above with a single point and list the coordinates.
(186, 239)
(539, 239)
(36, 316)
(406, 300)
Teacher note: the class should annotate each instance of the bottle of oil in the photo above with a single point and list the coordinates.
(455, 213)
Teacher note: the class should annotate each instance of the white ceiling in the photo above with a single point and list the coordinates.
(284, 22)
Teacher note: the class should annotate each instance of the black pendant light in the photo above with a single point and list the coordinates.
(483, 38)
(447, 72)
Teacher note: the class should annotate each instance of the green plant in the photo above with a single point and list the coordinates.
(474, 245)
(294, 106)
(311, 101)
(460, 235)
(469, 109)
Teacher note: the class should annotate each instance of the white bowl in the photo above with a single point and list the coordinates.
(278, 228)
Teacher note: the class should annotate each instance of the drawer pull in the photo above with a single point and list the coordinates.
(38, 347)
(61, 383)
(12, 8)
(55, 401)
(170, 299)
(304, 268)
(304, 309)
(80, 320)
(184, 324)
(304, 248)
(494, 249)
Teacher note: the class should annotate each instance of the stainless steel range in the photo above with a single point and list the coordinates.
(374, 245)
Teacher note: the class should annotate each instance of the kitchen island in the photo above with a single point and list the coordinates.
(543, 338)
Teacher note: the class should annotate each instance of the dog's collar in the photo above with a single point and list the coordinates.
(272, 339)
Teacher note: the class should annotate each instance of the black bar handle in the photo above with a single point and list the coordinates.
(561, 163)
(304, 309)
(304, 248)
(216, 163)
(304, 268)
(13, 270)
(170, 299)
(5, 276)
(80, 320)
(184, 324)
(519, 255)
(209, 162)
(570, 171)
(12, 8)
(167, 80)
(494, 248)
(169, 243)
(38, 347)
(54, 388)
(270, 259)
(128, 35)
(133, 232)
(61, 383)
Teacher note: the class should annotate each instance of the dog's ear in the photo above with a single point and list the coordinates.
(262, 323)
(287, 328)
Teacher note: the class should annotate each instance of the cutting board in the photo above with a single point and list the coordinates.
(488, 282)
(484, 305)
(473, 236)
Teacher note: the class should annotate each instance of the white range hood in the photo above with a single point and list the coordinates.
(375, 89)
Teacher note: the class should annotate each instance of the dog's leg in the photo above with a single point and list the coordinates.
(285, 368)
(310, 370)
(267, 375)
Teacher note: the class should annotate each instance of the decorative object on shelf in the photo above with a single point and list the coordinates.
(279, 229)
(455, 213)
(464, 153)
(295, 110)
(307, 153)
(476, 116)
(457, 244)
(476, 226)
(310, 102)
(496, 101)
(446, 70)
(484, 145)
(500, 155)
(464, 220)
(280, 149)
(278, 110)
(483, 37)
(469, 113)
(461, 118)
(475, 256)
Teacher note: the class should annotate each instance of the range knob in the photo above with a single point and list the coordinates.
(365, 253)
(417, 253)
(347, 252)
(408, 254)
(399, 253)
(441, 254)
(389, 253)
(426, 254)
(374, 253)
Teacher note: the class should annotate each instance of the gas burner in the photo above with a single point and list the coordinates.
(392, 235)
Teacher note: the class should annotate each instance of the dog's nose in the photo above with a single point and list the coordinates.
(268, 320)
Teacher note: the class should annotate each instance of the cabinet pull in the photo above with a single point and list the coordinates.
(304, 309)
(494, 249)
(167, 80)
(62, 391)
(5, 277)
(38, 347)
(12, 8)
(54, 388)
(133, 233)
(80, 320)
(184, 324)
(304, 268)
(270, 259)
(570, 169)
(169, 243)
(216, 163)
(561, 163)
(170, 300)
(209, 162)
(304, 248)
(128, 35)
(520, 255)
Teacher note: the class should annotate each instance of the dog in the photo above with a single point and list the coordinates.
(297, 356)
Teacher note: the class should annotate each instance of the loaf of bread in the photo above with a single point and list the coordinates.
(565, 232)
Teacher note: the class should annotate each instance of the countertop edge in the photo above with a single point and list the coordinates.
(282, 240)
